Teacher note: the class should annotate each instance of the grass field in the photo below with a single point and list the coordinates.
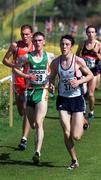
(16, 165)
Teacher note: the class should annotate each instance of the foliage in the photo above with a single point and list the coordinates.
(4, 70)
(8, 5)
(4, 98)
(75, 9)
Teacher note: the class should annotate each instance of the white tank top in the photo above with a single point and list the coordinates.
(65, 75)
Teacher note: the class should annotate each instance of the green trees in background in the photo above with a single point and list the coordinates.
(76, 9)
(6, 6)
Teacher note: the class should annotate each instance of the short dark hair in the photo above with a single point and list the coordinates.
(91, 26)
(69, 37)
(26, 26)
(38, 33)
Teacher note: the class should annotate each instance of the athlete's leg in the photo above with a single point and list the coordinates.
(91, 89)
(30, 112)
(40, 113)
(65, 120)
(36, 116)
(19, 103)
(98, 81)
(20, 99)
(77, 125)
(25, 126)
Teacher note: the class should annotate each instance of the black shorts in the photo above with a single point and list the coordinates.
(95, 70)
(75, 104)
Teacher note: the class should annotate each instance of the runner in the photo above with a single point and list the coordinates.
(16, 50)
(70, 103)
(37, 90)
(90, 50)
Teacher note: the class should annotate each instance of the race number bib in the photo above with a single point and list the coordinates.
(40, 76)
(90, 62)
(66, 86)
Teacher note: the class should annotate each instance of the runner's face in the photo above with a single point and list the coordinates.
(26, 35)
(65, 46)
(39, 42)
(91, 33)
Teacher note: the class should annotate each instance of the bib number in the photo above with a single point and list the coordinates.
(90, 63)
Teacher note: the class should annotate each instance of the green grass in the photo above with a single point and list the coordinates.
(15, 165)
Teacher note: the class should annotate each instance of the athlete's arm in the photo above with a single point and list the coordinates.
(53, 70)
(24, 75)
(99, 51)
(53, 73)
(9, 53)
(81, 65)
(88, 75)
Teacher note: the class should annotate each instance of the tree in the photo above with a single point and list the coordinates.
(6, 6)
(75, 9)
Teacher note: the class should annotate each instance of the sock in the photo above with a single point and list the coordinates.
(92, 112)
(39, 153)
(24, 138)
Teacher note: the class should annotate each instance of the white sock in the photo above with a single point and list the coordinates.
(24, 138)
(92, 112)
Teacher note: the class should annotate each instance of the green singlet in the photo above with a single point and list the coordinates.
(36, 92)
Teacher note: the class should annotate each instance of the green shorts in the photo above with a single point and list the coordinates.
(35, 96)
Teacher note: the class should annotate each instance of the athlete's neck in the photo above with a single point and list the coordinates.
(67, 57)
(91, 41)
(39, 53)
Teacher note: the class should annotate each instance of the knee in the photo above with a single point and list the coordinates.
(91, 95)
(67, 134)
(76, 137)
(39, 125)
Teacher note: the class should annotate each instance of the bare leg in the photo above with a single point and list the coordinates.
(21, 106)
(36, 117)
(91, 90)
(41, 110)
(65, 120)
(26, 127)
(19, 103)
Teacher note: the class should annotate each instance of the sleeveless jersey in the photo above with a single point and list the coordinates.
(89, 56)
(65, 75)
(40, 70)
(19, 82)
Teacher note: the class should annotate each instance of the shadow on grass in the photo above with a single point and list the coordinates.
(10, 147)
(5, 160)
(52, 117)
(4, 156)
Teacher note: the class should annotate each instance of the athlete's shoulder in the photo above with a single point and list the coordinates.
(17, 44)
(55, 62)
(20, 43)
(98, 43)
(12, 47)
(79, 59)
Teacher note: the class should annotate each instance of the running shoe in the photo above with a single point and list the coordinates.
(74, 164)
(85, 124)
(22, 145)
(36, 158)
(90, 116)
